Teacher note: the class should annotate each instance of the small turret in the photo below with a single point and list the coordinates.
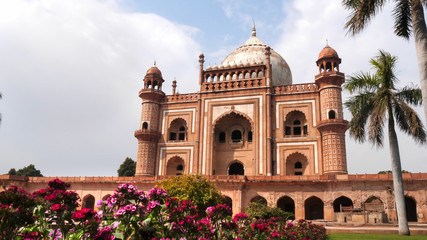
(149, 134)
(332, 125)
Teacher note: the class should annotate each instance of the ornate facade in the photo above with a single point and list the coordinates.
(260, 138)
(246, 119)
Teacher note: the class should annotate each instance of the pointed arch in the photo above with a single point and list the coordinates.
(313, 208)
(88, 202)
(175, 166)
(237, 113)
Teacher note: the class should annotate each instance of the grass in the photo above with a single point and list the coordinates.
(367, 236)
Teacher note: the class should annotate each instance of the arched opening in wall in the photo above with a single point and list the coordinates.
(145, 125)
(313, 208)
(175, 166)
(227, 77)
(247, 75)
(328, 66)
(88, 202)
(331, 114)
(155, 84)
(228, 201)
(221, 137)
(240, 76)
(236, 168)
(236, 136)
(342, 203)
(233, 76)
(250, 136)
(178, 130)
(253, 75)
(208, 79)
(296, 124)
(148, 85)
(221, 77)
(411, 209)
(259, 199)
(287, 204)
(260, 74)
(296, 164)
(214, 78)
(374, 204)
(104, 198)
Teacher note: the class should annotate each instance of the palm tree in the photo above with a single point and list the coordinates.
(408, 18)
(377, 101)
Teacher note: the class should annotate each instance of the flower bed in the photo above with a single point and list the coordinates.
(51, 213)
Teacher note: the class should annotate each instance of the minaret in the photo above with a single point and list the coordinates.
(149, 133)
(332, 125)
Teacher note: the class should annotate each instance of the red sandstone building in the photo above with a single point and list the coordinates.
(261, 138)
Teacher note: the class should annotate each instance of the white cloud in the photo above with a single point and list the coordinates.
(307, 26)
(71, 72)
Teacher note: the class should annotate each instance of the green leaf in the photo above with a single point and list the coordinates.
(118, 235)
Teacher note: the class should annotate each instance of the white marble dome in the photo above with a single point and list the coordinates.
(254, 50)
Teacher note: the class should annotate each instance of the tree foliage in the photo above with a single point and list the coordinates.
(127, 168)
(29, 171)
(261, 211)
(378, 103)
(195, 188)
(389, 171)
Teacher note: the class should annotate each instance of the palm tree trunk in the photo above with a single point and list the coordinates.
(396, 169)
(420, 36)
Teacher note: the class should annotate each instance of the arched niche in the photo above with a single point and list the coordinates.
(295, 124)
(341, 202)
(175, 166)
(296, 164)
(259, 199)
(313, 208)
(88, 202)
(236, 168)
(287, 204)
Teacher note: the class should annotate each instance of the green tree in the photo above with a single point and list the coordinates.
(408, 18)
(195, 188)
(389, 171)
(377, 102)
(262, 211)
(127, 168)
(29, 171)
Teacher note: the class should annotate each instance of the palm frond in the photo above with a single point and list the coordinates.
(408, 120)
(402, 18)
(362, 11)
(411, 95)
(361, 82)
(384, 64)
(378, 115)
(360, 107)
(356, 103)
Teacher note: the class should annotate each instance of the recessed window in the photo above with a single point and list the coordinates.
(298, 165)
(236, 136)
(250, 136)
(332, 114)
(181, 134)
(236, 169)
(144, 125)
(172, 136)
(295, 124)
(298, 173)
(179, 167)
(221, 137)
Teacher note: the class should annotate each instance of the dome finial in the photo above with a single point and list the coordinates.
(154, 62)
(253, 29)
(327, 45)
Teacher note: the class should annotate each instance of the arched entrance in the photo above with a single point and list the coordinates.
(296, 164)
(411, 209)
(175, 166)
(342, 203)
(233, 136)
(228, 201)
(88, 202)
(287, 204)
(313, 208)
(236, 168)
(259, 199)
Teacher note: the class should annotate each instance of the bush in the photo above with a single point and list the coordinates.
(262, 211)
(194, 188)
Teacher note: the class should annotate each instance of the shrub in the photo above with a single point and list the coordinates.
(262, 211)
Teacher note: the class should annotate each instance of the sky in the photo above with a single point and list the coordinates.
(70, 71)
